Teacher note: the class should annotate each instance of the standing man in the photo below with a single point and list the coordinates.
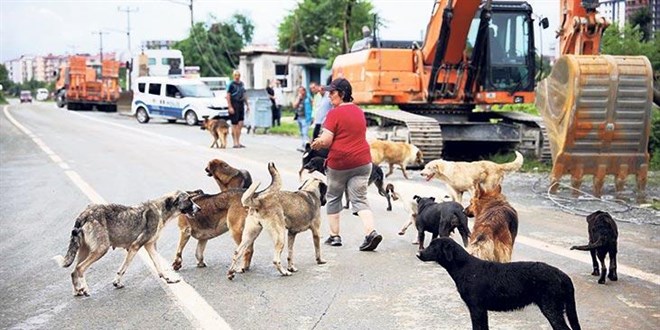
(321, 107)
(302, 106)
(278, 97)
(236, 99)
(271, 95)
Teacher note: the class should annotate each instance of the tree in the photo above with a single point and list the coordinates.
(324, 28)
(215, 47)
(630, 41)
(642, 18)
(4, 78)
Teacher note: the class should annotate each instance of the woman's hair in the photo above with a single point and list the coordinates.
(345, 96)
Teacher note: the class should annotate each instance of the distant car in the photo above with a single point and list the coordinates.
(217, 84)
(42, 94)
(26, 96)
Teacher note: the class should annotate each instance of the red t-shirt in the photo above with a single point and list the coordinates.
(349, 148)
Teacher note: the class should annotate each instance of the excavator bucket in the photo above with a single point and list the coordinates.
(597, 111)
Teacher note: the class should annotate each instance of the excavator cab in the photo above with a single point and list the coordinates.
(510, 54)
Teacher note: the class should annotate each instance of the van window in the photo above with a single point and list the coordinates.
(141, 87)
(152, 61)
(171, 91)
(154, 89)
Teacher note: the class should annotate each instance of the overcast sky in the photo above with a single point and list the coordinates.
(39, 27)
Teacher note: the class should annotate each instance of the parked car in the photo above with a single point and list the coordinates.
(42, 94)
(175, 98)
(26, 96)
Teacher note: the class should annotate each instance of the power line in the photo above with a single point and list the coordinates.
(128, 11)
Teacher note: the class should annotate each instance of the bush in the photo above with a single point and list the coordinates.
(654, 140)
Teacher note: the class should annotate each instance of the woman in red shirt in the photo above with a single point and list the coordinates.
(348, 163)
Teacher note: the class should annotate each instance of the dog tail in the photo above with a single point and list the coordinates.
(598, 243)
(483, 248)
(571, 311)
(276, 180)
(248, 196)
(74, 245)
(515, 165)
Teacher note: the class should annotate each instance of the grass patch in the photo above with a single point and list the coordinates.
(288, 127)
(529, 165)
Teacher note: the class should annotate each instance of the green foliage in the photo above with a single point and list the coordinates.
(654, 140)
(214, 47)
(529, 108)
(642, 19)
(316, 27)
(4, 79)
(629, 41)
(31, 85)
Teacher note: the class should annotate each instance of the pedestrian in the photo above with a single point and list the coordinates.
(321, 107)
(278, 98)
(238, 107)
(348, 163)
(302, 106)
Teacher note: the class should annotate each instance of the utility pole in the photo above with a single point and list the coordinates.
(128, 11)
(101, 33)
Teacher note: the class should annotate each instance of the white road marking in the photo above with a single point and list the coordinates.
(191, 303)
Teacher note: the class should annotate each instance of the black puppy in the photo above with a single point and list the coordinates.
(376, 177)
(491, 286)
(440, 219)
(603, 234)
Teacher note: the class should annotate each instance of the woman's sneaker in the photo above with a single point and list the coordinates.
(371, 241)
(333, 240)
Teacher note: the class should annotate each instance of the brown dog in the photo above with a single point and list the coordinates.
(463, 176)
(495, 225)
(218, 129)
(226, 176)
(278, 211)
(220, 213)
(399, 153)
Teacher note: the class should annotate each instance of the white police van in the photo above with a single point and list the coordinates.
(175, 98)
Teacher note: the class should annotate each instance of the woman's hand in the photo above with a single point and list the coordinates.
(316, 144)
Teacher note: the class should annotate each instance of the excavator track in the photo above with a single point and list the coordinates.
(531, 141)
(423, 132)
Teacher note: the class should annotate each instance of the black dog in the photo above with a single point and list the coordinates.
(491, 286)
(318, 164)
(603, 234)
(440, 219)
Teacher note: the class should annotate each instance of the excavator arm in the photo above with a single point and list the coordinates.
(596, 108)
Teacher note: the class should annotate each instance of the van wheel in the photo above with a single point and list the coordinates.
(171, 121)
(191, 118)
(142, 116)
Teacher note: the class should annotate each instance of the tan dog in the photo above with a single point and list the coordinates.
(395, 153)
(219, 129)
(464, 176)
(495, 225)
(220, 213)
(278, 211)
(226, 176)
(102, 226)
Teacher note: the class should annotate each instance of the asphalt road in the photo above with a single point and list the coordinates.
(115, 159)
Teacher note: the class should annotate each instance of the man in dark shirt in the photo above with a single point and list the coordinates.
(238, 107)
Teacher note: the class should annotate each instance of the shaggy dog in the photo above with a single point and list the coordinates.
(440, 219)
(463, 176)
(399, 153)
(102, 226)
(226, 176)
(220, 213)
(278, 212)
(495, 225)
(603, 234)
(488, 286)
(317, 164)
(218, 129)
(405, 192)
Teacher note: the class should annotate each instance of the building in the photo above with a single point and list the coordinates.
(614, 11)
(262, 63)
(633, 5)
(52, 65)
(655, 14)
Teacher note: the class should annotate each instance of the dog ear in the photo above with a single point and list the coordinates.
(323, 188)
(416, 198)
(478, 190)
(498, 189)
(432, 198)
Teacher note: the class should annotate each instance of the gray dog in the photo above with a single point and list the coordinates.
(278, 211)
(101, 226)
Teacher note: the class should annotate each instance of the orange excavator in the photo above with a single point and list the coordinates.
(476, 54)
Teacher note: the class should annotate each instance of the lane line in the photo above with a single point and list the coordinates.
(196, 309)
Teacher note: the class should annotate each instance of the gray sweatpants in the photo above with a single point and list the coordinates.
(354, 181)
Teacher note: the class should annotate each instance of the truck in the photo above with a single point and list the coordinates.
(80, 86)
